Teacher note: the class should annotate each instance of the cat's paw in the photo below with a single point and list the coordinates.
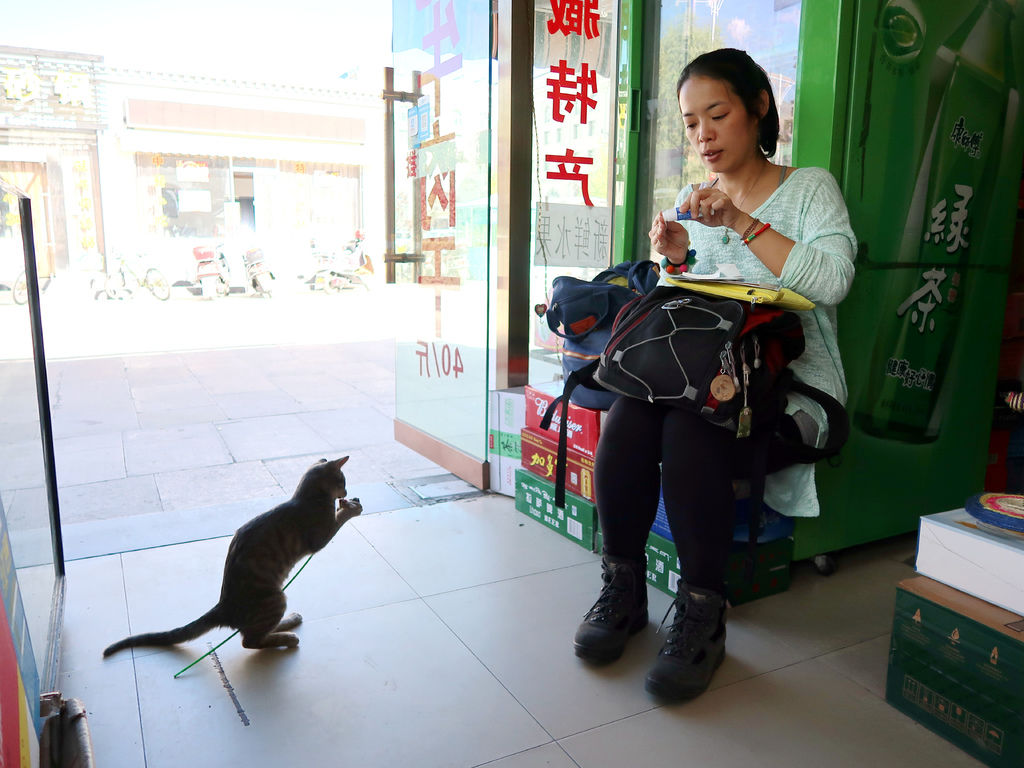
(350, 507)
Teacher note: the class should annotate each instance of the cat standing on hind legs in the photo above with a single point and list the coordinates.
(261, 555)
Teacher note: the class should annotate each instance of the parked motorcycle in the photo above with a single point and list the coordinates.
(212, 272)
(260, 278)
(337, 272)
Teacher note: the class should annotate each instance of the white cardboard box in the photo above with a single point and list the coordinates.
(953, 549)
(507, 417)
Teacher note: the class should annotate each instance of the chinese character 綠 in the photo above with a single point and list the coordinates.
(957, 237)
(938, 225)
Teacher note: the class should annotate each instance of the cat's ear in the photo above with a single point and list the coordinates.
(340, 462)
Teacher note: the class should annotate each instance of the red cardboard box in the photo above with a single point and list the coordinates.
(584, 423)
(540, 456)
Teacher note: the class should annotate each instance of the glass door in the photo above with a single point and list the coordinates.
(31, 554)
(440, 249)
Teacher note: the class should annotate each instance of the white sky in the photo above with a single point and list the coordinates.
(295, 41)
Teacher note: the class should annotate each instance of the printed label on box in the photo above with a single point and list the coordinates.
(583, 429)
(536, 498)
(540, 456)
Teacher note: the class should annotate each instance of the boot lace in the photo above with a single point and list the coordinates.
(615, 597)
(691, 627)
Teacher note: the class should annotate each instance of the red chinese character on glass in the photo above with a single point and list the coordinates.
(567, 87)
(437, 195)
(563, 172)
(574, 17)
(447, 30)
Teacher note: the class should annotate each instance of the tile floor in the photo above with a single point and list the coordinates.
(440, 635)
(434, 634)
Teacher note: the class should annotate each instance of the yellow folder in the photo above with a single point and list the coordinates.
(783, 298)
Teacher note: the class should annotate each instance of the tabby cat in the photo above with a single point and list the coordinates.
(260, 557)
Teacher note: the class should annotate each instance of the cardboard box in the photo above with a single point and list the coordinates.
(956, 666)
(506, 417)
(953, 549)
(535, 497)
(584, 427)
(771, 571)
(775, 526)
(540, 455)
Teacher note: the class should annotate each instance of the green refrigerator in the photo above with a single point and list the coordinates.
(916, 106)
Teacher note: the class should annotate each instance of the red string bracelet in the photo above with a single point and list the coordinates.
(747, 241)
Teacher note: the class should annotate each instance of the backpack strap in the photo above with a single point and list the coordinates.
(758, 472)
(838, 425)
(581, 377)
(838, 432)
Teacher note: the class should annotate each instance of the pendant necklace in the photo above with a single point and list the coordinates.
(725, 235)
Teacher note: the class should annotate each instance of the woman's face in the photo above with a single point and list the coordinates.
(717, 124)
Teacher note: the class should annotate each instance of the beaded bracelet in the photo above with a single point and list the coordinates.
(748, 240)
(754, 224)
(675, 269)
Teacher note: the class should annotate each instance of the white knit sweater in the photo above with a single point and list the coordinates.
(809, 209)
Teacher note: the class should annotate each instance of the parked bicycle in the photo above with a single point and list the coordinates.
(124, 281)
(20, 290)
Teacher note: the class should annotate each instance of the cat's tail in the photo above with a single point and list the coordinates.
(212, 618)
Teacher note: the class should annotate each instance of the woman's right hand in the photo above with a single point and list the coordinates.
(670, 239)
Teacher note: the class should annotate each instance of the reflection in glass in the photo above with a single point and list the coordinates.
(575, 111)
(24, 504)
(767, 30)
(443, 201)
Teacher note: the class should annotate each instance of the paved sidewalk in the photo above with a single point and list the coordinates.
(160, 448)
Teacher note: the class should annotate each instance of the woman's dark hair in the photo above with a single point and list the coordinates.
(747, 79)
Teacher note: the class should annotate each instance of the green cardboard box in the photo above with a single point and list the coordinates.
(535, 496)
(771, 572)
(956, 666)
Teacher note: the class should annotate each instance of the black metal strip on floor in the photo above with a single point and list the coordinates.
(229, 688)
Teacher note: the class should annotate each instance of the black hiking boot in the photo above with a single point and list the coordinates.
(694, 648)
(620, 611)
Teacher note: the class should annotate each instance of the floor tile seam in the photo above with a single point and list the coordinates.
(387, 562)
(821, 653)
(149, 547)
(614, 721)
(524, 751)
(135, 671)
(502, 580)
(816, 657)
(732, 684)
(491, 672)
(823, 657)
(424, 596)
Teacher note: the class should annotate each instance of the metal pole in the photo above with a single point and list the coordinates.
(389, 175)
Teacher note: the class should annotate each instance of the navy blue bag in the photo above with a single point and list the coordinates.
(582, 312)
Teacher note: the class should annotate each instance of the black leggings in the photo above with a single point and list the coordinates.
(698, 461)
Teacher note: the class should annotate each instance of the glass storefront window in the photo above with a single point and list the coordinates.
(574, 124)
(182, 196)
(766, 29)
(443, 191)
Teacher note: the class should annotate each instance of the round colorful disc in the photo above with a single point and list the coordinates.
(1002, 510)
